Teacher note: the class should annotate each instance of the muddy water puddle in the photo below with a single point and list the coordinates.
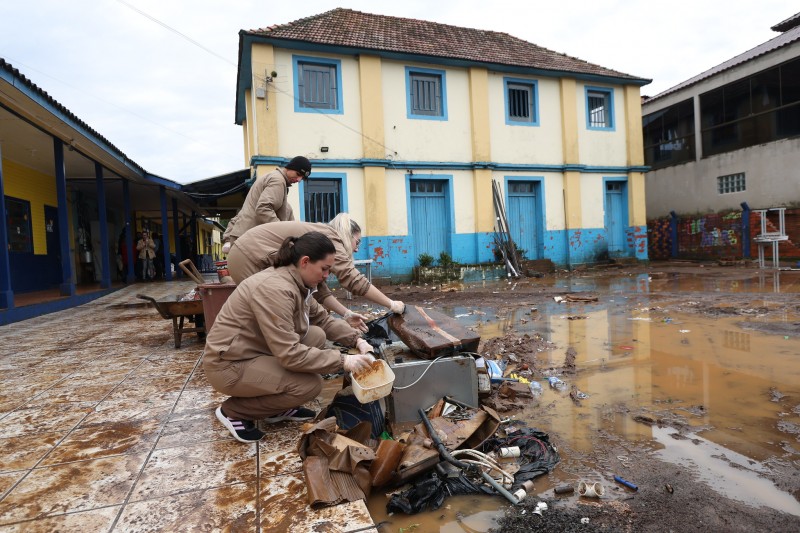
(723, 400)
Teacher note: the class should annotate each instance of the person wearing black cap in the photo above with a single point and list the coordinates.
(266, 200)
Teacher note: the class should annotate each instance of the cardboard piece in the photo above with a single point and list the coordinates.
(336, 468)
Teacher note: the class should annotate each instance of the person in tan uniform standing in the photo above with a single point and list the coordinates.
(267, 347)
(258, 248)
(266, 200)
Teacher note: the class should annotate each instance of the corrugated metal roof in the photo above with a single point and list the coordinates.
(788, 24)
(18, 76)
(785, 39)
(349, 28)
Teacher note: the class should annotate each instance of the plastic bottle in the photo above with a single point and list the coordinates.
(536, 388)
(557, 383)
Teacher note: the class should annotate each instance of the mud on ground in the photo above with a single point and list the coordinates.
(669, 498)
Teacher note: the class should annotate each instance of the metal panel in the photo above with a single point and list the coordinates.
(429, 216)
(454, 376)
(523, 217)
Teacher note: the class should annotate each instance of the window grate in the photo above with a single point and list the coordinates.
(322, 199)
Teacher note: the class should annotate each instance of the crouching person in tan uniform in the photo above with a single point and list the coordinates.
(266, 349)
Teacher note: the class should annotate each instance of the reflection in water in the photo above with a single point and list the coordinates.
(712, 464)
(707, 375)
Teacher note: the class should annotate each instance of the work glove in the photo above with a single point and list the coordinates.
(356, 321)
(226, 248)
(357, 362)
(397, 307)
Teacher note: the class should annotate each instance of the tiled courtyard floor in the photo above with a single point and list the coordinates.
(106, 426)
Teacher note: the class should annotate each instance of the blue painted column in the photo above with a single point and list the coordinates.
(746, 241)
(126, 200)
(6, 294)
(193, 251)
(162, 191)
(67, 273)
(673, 233)
(105, 281)
(176, 230)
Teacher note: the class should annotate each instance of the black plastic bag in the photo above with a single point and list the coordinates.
(537, 456)
(430, 491)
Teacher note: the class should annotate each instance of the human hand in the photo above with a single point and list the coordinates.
(356, 321)
(356, 362)
(397, 307)
(226, 247)
(363, 346)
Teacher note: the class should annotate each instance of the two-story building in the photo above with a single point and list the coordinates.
(730, 134)
(407, 122)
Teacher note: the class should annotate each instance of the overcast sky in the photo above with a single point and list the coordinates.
(168, 103)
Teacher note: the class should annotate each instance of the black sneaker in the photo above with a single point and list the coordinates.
(242, 430)
(298, 414)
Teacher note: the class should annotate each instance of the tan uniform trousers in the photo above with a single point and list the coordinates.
(261, 387)
(240, 266)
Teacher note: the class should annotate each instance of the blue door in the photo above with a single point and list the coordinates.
(523, 217)
(616, 217)
(430, 219)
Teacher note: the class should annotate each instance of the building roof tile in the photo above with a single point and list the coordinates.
(349, 28)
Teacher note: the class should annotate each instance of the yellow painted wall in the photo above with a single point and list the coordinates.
(39, 189)
(265, 136)
(373, 187)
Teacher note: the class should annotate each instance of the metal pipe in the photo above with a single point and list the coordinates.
(439, 446)
(499, 488)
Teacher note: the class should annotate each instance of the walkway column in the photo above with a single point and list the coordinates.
(6, 294)
(162, 191)
(105, 263)
(176, 231)
(67, 273)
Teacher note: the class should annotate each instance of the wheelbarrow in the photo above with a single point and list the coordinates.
(177, 310)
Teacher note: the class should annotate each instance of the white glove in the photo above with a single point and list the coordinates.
(356, 362)
(356, 321)
(397, 307)
(226, 248)
(363, 346)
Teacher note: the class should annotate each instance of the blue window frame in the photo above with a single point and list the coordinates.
(600, 108)
(522, 102)
(317, 85)
(426, 93)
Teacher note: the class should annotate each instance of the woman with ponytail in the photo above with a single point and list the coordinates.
(257, 249)
(266, 348)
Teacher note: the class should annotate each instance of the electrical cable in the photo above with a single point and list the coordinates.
(419, 378)
(256, 76)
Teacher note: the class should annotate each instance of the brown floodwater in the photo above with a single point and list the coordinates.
(714, 376)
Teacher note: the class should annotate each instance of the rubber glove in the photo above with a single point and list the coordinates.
(356, 362)
(363, 346)
(397, 307)
(226, 248)
(356, 321)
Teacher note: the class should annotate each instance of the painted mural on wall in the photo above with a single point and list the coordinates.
(716, 236)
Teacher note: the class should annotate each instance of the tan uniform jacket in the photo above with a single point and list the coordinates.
(266, 202)
(147, 249)
(269, 314)
(258, 249)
